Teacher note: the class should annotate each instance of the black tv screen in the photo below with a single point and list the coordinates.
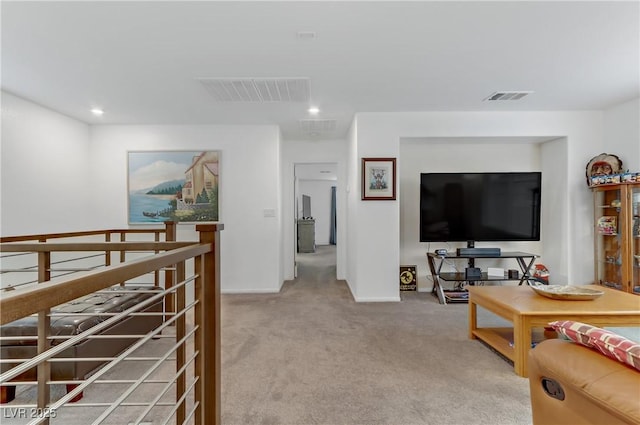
(480, 207)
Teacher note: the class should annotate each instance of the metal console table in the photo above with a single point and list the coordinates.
(435, 261)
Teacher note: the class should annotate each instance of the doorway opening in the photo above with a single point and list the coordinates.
(315, 232)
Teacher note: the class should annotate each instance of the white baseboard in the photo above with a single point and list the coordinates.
(250, 291)
(377, 299)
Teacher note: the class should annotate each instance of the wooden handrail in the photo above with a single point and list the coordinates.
(44, 236)
(25, 301)
(92, 246)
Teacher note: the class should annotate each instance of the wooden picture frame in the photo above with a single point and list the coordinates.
(378, 179)
(408, 278)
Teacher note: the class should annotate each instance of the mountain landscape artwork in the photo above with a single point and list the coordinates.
(179, 186)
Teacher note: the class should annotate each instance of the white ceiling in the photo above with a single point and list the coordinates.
(141, 61)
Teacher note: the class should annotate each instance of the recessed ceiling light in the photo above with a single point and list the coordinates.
(313, 110)
(97, 111)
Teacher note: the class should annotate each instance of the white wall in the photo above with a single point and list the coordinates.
(446, 155)
(377, 228)
(555, 219)
(321, 151)
(249, 184)
(44, 173)
(320, 193)
(352, 208)
(622, 133)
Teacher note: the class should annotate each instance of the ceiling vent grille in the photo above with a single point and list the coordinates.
(317, 126)
(257, 89)
(508, 95)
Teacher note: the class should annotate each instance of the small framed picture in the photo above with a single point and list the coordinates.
(408, 278)
(378, 179)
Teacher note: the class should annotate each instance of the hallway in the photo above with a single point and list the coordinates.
(318, 267)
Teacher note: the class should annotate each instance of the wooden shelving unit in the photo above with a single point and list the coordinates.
(617, 236)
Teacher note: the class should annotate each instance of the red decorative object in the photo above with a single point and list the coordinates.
(541, 272)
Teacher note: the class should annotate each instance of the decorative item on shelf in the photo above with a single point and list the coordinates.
(541, 272)
(607, 225)
(630, 177)
(408, 278)
(612, 257)
(604, 169)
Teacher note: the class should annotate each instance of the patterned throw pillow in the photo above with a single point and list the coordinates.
(606, 342)
(617, 347)
(575, 331)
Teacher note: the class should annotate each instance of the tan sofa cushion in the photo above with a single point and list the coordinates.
(597, 389)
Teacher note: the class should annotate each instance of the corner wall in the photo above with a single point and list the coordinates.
(44, 170)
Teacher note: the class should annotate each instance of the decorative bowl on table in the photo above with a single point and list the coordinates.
(567, 292)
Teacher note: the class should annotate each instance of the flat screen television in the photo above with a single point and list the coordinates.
(480, 207)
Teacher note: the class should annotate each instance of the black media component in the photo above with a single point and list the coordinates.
(513, 274)
(487, 207)
(472, 273)
(479, 252)
(441, 252)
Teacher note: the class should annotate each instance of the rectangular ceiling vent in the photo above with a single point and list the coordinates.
(508, 95)
(317, 126)
(257, 89)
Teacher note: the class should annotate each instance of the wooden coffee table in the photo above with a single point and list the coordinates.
(527, 310)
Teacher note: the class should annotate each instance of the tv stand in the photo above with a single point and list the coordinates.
(435, 261)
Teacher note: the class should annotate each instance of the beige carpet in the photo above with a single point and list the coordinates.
(311, 355)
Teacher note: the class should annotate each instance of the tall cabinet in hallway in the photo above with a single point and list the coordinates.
(306, 235)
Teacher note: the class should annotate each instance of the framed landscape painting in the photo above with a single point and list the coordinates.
(179, 186)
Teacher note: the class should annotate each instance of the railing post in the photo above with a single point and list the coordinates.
(208, 268)
(169, 274)
(107, 254)
(44, 329)
(123, 253)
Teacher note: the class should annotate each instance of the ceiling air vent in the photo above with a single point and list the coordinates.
(508, 95)
(257, 89)
(317, 126)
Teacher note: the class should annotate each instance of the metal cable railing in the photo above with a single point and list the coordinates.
(160, 375)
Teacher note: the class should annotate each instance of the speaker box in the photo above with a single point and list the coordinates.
(472, 273)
